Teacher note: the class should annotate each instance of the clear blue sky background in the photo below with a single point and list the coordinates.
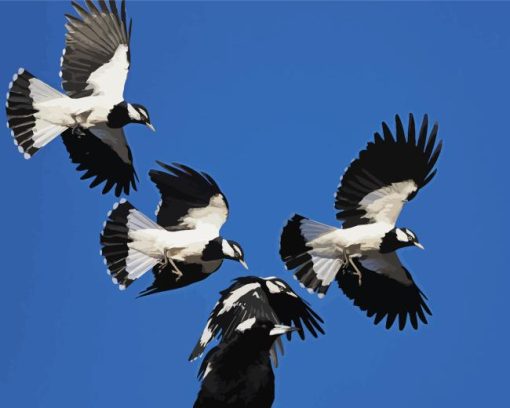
(273, 100)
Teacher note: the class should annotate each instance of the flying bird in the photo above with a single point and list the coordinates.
(238, 372)
(92, 112)
(184, 246)
(251, 297)
(361, 256)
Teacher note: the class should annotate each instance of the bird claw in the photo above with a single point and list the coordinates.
(354, 270)
(178, 273)
(167, 260)
(78, 131)
(358, 274)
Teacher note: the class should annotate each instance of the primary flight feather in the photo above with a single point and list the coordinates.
(361, 256)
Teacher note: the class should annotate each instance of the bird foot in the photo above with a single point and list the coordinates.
(358, 274)
(178, 273)
(355, 270)
(78, 131)
(175, 270)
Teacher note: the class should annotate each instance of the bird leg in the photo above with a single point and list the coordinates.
(176, 270)
(168, 260)
(348, 260)
(356, 269)
(78, 131)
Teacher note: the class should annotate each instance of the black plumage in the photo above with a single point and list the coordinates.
(249, 297)
(183, 247)
(102, 161)
(361, 256)
(183, 189)
(92, 112)
(382, 298)
(238, 373)
(91, 41)
(385, 161)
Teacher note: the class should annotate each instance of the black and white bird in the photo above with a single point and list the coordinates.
(91, 114)
(251, 298)
(237, 372)
(361, 256)
(184, 246)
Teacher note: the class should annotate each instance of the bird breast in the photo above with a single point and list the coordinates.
(181, 244)
(359, 238)
(366, 237)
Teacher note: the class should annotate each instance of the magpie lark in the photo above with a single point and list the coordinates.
(238, 372)
(251, 297)
(92, 112)
(184, 245)
(362, 256)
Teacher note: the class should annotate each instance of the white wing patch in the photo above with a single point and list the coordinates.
(215, 214)
(385, 204)
(246, 325)
(109, 79)
(273, 288)
(207, 335)
(230, 301)
(208, 369)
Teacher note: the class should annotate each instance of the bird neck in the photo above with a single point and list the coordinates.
(118, 116)
(213, 250)
(391, 243)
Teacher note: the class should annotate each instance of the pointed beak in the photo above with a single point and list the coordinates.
(149, 125)
(419, 245)
(280, 329)
(243, 262)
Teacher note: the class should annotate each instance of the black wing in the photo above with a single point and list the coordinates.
(188, 198)
(103, 154)
(387, 290)
(166, 279)
(386, 174)
(251, 297)
(291, 309)
(96, 57)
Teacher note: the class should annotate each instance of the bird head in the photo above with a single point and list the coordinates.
(139, 114)
(260, 334)
(232, 250)
(399, 238)
(263, 328)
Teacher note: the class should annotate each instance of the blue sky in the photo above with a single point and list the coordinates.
(273, 100)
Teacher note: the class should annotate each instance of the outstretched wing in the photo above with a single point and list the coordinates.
(103, 153)
(251, 297)
(386, 174)
(189, 199)
(291, 309)
(387, 290)
(96, 57)
(165, 278)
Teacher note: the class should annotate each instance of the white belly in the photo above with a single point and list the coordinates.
(360, 238)
(181, 245)
(85, 112)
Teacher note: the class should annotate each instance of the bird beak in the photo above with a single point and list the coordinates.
(280, 329)
(419, 245)
(243, 262)
(149, 125)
